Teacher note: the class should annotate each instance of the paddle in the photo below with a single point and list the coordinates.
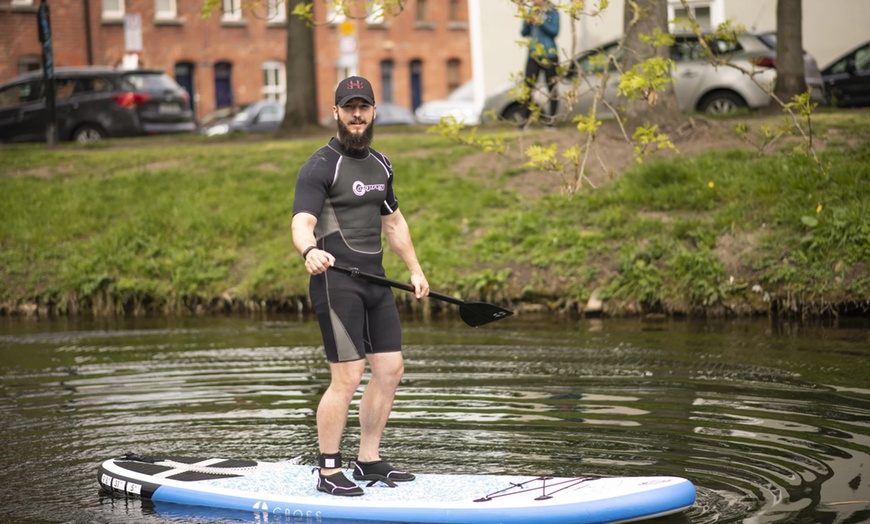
(473, 313)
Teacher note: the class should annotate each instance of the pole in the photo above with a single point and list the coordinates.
(88, 36)
(43, 18)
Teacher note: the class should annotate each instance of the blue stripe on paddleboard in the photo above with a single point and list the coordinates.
(666, 499)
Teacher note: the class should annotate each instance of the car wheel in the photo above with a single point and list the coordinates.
(88, 134)
(721, 103)
(514, 113)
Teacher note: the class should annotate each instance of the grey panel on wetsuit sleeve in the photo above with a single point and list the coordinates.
(312, 183)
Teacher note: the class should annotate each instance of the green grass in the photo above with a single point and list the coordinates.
(654, 232)
(185, 224)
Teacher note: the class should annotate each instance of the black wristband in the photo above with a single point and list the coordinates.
(307, 250)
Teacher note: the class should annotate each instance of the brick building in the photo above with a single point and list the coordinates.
(420, 55)
(236, 55)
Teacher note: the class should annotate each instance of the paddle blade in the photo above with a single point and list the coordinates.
(479, 313)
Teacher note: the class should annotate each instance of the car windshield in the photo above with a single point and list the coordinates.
(244, 113)
(151, 82)
(593, 61)
(384, 110)
(19, 94)
(219, 114)
(862, 58)
(463, 92)
(859, 60)
(769, 39)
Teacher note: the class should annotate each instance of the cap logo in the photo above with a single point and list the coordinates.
(354, 87)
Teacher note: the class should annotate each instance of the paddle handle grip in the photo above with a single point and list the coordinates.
(384, 281)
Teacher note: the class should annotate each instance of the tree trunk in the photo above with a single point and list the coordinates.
(301, 106)
(642, 17)
(790, 75)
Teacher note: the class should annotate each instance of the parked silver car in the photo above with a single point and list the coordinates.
(390, 114)
(698, 85)
(264, 116)
(459, 104)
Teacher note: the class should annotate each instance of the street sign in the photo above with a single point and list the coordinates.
(133, 32)
(348, 53)
(347, 28)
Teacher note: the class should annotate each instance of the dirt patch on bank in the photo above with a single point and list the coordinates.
(609, 155)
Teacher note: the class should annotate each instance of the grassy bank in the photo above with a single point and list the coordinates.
(180, 225)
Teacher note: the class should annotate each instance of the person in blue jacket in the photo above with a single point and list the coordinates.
(541, 26)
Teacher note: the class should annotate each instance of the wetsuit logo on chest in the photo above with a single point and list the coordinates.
(360, 189)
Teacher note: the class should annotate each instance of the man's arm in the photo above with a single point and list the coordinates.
(399, 238)
(551, 23)
(302, 228)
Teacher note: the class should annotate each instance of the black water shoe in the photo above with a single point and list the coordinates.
(338, 484)
(380, 470)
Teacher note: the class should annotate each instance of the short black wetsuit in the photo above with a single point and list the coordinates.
(348, 193)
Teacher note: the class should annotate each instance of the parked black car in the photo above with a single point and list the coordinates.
(93, 103)
(847, 79)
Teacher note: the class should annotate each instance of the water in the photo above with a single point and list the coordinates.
(770, 421)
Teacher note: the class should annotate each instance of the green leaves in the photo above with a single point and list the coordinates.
(453, 130)
(651, 75)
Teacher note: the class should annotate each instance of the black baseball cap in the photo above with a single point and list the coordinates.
(354, 87)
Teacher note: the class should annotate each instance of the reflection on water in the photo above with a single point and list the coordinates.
(771, 422)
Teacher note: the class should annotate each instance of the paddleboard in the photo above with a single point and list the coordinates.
(287, 489)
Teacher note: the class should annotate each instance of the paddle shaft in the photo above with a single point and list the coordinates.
(384, 281)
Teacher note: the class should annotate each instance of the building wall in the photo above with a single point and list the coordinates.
(19, 35)
(247, 44)
(203, 42)
(433, 38)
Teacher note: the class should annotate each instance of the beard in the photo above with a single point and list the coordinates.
(352, 141)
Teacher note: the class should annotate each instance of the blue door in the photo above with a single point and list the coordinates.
(223, 87)
(184, 77)
(387, 80)
(416, 84)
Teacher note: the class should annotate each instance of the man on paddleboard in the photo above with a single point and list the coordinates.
(344, 201)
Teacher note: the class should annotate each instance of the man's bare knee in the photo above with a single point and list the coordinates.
(387, 368)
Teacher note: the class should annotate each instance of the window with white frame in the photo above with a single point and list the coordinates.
(232, 10)
(113, 9)
(706, 13)
(274, 81)
(335, 12)
(375, 14)
(276, 11)
(29, 63)
(387, 70)
(453, 74)
(165, 9)
(455, 11)
(422, 11)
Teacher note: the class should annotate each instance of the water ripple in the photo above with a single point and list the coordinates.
(766, 436)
